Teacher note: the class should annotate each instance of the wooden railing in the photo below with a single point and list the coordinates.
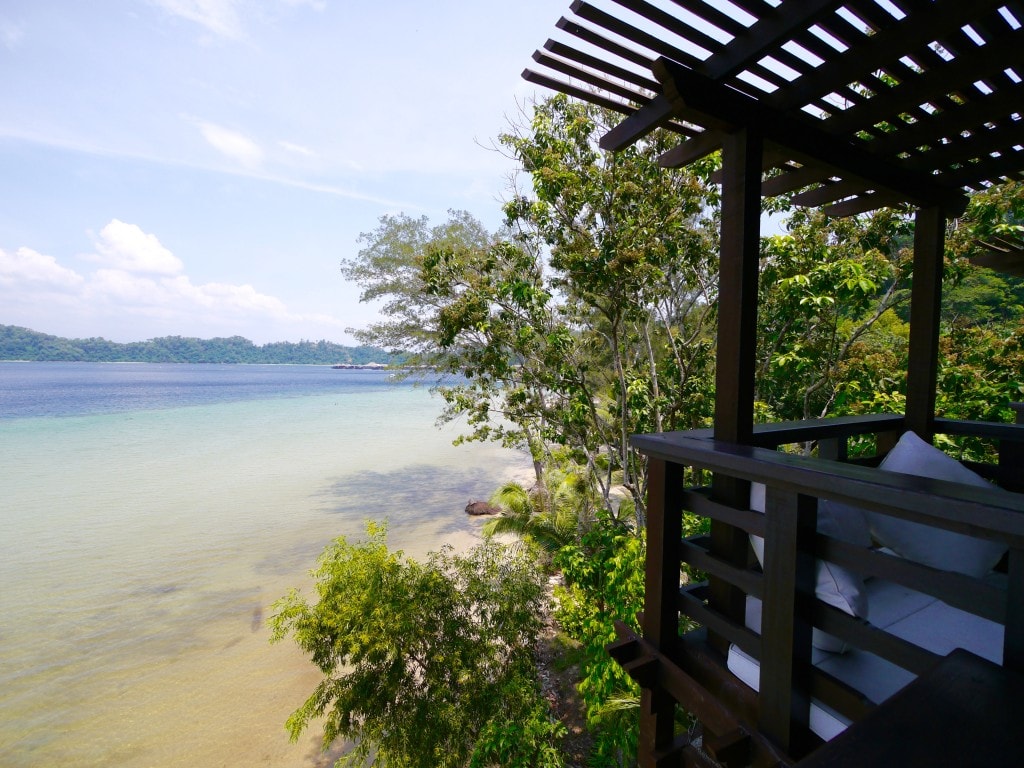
(794, 485)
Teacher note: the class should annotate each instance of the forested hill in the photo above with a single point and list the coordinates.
(24, 344)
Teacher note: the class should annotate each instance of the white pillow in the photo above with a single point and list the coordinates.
(834, 585)
(933, 546)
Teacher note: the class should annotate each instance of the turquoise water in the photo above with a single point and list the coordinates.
(142, 550)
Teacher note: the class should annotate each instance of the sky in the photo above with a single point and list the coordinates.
(201, 167)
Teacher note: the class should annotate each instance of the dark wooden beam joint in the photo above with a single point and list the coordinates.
(642, 122)
(644, 670)
(732, 748)
(691, 150)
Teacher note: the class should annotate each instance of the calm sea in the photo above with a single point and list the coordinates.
(149, 517)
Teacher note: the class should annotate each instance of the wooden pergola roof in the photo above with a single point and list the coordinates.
(861, 104)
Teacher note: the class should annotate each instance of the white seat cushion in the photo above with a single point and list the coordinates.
(921, 543)
(912, 616)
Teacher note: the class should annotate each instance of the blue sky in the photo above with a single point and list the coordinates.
(200, 167)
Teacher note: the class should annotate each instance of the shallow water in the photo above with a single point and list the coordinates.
(144, 543)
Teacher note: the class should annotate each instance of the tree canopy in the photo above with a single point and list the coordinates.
(426, 665)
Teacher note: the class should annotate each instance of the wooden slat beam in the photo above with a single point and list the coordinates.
(829, 193)
(692, 150)
(864, 203)
(586, 76)
(979, 146)
(877, 51)
(700, 95)
(639, 124)
(539, 78)
(674, 24)
(599, 41)
(773, 27)
(940, 79)
(995, 107)
(606, 21)
(614, 71)
(794, 180)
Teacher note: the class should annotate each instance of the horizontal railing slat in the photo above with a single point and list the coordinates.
(745, 639)
(749, 581)
(985, 513)
(699, 503)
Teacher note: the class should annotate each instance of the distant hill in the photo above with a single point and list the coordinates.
(24, 344)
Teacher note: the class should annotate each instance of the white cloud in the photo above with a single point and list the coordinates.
(26, 265)
(224, 296)
(298, 149)
(11, 34)
(126, 247)
(217, 16)
(316, 5)
(139, 278)
(235, 145)
(115, 286)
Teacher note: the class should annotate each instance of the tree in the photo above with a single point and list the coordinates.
(587, 321)
(425, 664)
(823, 287)
(632, 251)
(603, 575)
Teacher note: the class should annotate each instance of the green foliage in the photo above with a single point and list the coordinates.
(23, 344)
(548, 516)
(824, 287)
(603, 583)
(586, 321)
(425, 665)
(974, 295)
(981, 371)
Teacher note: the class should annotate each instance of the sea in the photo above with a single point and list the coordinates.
(151, 515)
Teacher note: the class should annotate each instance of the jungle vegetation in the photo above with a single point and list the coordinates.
(18, 343)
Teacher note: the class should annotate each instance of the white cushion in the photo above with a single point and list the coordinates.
(918, 618)
(923, 544)
(834, 585)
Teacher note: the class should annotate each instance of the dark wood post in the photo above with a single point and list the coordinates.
(925, 309)
(737, 286)
(1013, 635)
(661, 590)
(737, 343)
(791, 521)
(1011, 457)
